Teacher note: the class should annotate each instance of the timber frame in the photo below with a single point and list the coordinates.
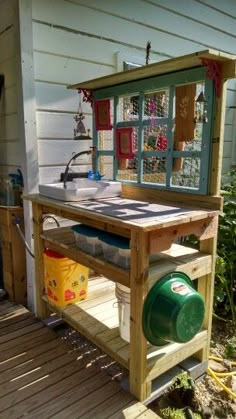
(145, 362)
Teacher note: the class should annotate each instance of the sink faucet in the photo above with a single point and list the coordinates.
(81, 153)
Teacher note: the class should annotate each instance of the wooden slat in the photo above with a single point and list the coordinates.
(9, 339)
(132, 412)
(110, 406)
(104, 222)
(13, 376)
(163, 67)
(15, 317)
(15, 361)
(7, 332)
(7, 257)
(4, 216)
(41, 307)
(212, 202)
(138, 355)
(49, 379)
(93, 391)
(164, 358)
(7, 308)
(33, 339)
(55, 387)
(60, 360)
(63, 241)
(12, 400)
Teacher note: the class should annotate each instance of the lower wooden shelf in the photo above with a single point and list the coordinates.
(97, 319)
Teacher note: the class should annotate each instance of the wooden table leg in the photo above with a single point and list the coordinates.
(206, 289)
(139, 386)
(41, 306)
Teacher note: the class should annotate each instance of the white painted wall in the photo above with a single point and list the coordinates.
(75, 40)
(10, 156)
(18, 141)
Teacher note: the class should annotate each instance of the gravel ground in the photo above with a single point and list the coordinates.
(209, 397)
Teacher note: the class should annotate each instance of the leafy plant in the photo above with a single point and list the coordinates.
(225, 285)
(225, 275)
(230, 349)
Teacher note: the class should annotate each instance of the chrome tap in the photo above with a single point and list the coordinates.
(81, 153)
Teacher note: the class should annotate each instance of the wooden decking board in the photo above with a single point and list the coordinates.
(132, 412)
(149, 414)
(35, 387)
(27, 357)
(39, 337)
(88, 402)
(110, 406)
(15, 318)
(35, 405)
(42, 377)
(29, 367)
(16, 329)
(60, 360)
(6, 310)
(71, 402)
(37, 330)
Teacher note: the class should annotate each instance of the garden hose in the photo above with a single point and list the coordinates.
(216, 376)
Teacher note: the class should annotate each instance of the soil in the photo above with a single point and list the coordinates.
(205, 397)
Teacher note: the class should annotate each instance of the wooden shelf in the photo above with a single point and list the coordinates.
(97, 319)
(62, 240)
(177, 258)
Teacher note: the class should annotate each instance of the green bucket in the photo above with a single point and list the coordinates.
(173, 310)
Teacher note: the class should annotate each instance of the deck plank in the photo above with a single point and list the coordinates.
(17, 361)
(39, 337)
(110, 406)
(41, 376)
(16, 329)
(16, 317)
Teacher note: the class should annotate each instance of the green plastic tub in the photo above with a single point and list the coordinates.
(173, 310)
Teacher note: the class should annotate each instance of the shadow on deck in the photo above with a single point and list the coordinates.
(43, 377)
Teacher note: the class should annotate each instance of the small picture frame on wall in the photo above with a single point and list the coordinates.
(102, 115)
(124, 143)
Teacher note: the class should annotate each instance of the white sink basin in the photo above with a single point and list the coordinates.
(104, 188)
(71, 193)
(81, 189)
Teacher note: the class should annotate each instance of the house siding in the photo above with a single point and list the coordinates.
(74, 40)
(10, 156)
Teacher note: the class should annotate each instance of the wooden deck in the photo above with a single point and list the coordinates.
(43, 377)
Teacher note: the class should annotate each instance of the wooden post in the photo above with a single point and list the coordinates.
(218, 142)
(139, 386)
(206, 284)
(206, 289)
(41, 306)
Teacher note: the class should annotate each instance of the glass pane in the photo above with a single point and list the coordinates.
(154, 170)
(156, 105)
(155, 138)
(128, 108)
(106, 167)
(105, 140)
(186, 172)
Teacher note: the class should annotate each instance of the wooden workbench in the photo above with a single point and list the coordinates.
(154, 234)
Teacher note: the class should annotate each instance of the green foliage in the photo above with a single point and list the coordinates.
(225, 276)
(225, 285)
(182, 380)
(171, 413)
(230, 349)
